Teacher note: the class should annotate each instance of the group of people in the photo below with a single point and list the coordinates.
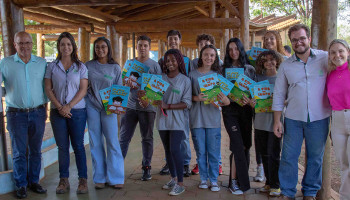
(309, 87)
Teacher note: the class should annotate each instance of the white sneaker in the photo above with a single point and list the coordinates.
(177, 190)
(214, 187)
(169, 184)
(260, 176)
(203, 185)
(234, 188)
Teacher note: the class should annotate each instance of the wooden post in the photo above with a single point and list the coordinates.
(133, 45)
(253, 39)
(12, 21)
(328, 32)
(316, 23)
(243, 7)
(113, 37)
(222, 48)
(212, 9)
(123, 50)
(164, 48)
(197, 53)
(83, 45)
(40, 45)
(231, 33)
(160, 50)
(226, 36)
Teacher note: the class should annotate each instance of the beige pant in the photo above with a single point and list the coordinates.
(340, 131)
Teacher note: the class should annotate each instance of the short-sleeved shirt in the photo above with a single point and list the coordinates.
(101, 76)
(264, 121)
(180, 90)
(24, 82)
(303, 87)
(66, 83)
(133, 103)
(202, 115)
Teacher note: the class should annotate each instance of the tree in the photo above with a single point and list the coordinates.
(303, 8)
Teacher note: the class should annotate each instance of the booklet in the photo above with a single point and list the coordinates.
(104, 93)
(187, 64)
(209, 85)
(233, 73)
(251, 87)
(225, 87)
(134, 73)
(126, 67)
(254, 53)
(118, 99)
(263, 93)
(241, 88)
(156, 88)
(145, 77)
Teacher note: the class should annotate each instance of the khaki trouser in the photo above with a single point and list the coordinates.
(340, 131)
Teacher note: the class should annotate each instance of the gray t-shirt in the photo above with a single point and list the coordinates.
(66, 84)
(101, 76)
(180, 90)
(202, 115)
(133, 103)
(195, 63)
(264, 121)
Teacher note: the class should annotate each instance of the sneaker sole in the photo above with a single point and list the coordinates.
(275, 195)
(146, 179)
(176, 194)
(215, 190)
(236, 193)
(203, 187)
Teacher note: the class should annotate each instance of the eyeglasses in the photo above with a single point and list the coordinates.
(24, 43)
(294, 40)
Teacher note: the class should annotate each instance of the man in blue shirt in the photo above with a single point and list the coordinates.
(23, 76)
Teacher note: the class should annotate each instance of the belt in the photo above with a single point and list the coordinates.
(12, 109)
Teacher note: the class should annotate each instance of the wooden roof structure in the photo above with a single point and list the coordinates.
(277, 23)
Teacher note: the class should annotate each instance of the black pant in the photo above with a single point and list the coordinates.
(257, 152)
(238, 124)
(174, 157)
(127, 128)
(270, 148)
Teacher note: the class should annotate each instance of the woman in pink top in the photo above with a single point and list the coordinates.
(338, 91)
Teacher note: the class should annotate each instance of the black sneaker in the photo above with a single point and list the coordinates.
(187, 171)
(21, 193)
(165, 170)
(37, 188)
(146, 173)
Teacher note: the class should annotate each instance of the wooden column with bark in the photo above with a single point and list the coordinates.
(222, 48)
(113, 37)
(12, 21)
(243, 7)
(123, 49)
(160, 49)
(83, 45)
(253, 39)
(40, 45)
(226, 31)
(325, 32)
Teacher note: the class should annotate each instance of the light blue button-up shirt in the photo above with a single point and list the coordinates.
(24, 82)
(303, 86)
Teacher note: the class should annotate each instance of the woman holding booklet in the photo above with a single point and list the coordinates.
(170, 117)
(238, 121)
(103, 73)
(65, 85)
(205, 118)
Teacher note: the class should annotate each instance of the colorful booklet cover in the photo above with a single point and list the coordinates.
(225, 86)
(263, 93)
(232, 74)
(254, 53)
(209, 85)
(241, 88)
(145, 77)
(134, 73)
(118, 99)
(126, 67)
(105, 98)
(251, 87)
(187, 64)
(156, 88)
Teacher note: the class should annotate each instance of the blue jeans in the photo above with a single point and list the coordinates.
(185, 145)
(315, 134)
(65, 129)
(106, 167)
(207, 148)
(26, 129)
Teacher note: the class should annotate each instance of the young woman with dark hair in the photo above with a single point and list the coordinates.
(205, 121)
(238, 121)
(103, 73)
(66, 85)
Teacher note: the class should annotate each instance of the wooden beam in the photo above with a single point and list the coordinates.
(243, 6)
(228, 5)
(83, 45)
(46, 19)
(202, 10)
(47, 3)
(59, 14)
(185, 24)
(135, 10)
(186, 35)
(93, 37)
(159, 12)
(212, 9)
(46, 29)
(89, 12)
(40, 45)
(113, 37)
(226, 31)
(12, 21)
